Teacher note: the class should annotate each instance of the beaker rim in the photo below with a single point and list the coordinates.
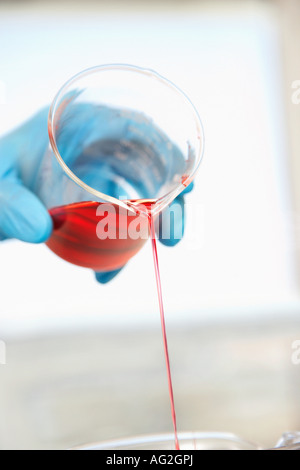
(166, 199)
(195, 438)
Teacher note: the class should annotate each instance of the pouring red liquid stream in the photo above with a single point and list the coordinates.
(75, 240)
(163, 326)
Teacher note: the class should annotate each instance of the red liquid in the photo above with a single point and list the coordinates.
(75, 240)
(163, 326)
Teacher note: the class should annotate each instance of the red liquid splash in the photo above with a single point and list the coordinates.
(75, 240)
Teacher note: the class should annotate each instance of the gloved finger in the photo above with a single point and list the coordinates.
(170, 229)
(104, 278)
(34, 140)
(188, 189)
(23, 149)
(172, 220)
(22, 215)
(2, 237)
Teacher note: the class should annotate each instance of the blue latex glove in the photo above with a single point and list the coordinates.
(22, 215)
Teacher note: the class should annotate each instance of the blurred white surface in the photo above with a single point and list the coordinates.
(63, 390)
(241, 261)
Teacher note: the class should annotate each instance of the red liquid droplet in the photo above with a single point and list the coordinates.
(184, 180)
(75, 240)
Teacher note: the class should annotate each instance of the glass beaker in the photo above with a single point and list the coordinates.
(193, 441)
(187, 441)
(122, 136)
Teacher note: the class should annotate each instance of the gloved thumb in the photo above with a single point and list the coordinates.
(104, 278)
(22, 215)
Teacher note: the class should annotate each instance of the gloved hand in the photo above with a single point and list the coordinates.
(22, 214)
